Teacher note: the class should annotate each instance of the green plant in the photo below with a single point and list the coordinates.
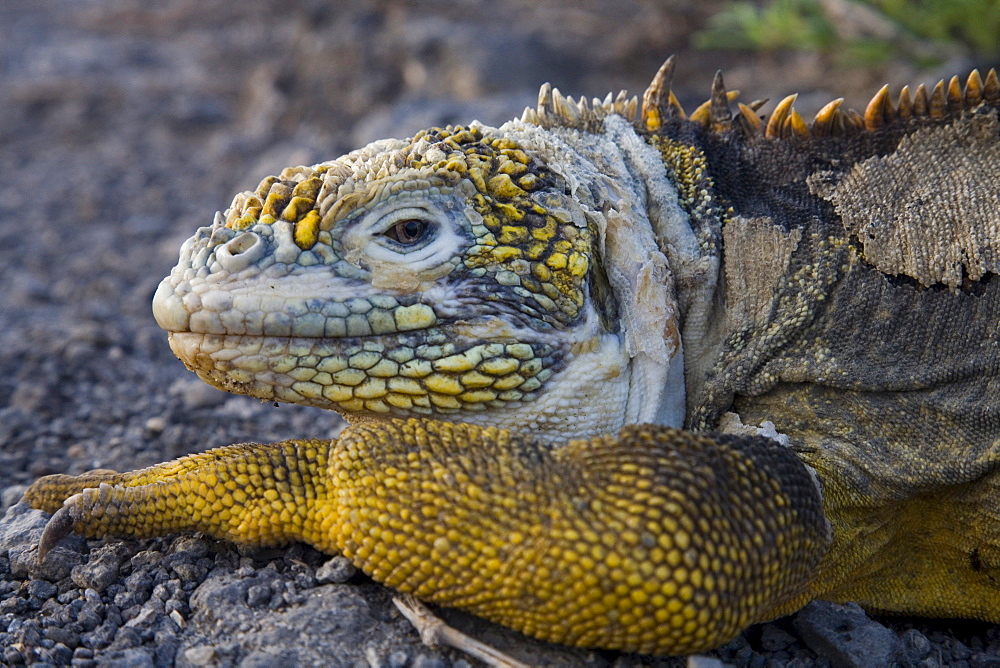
(972, 23)
(782, 24)
(865, 31)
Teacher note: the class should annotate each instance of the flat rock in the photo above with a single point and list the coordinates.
(845, 635)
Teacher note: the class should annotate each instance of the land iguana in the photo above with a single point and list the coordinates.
(616, 375)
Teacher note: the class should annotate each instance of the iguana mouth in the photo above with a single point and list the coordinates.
(419, 372)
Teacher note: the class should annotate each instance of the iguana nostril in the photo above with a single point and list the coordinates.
(240, 252)
(242, 243)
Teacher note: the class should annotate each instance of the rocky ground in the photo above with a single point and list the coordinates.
(123, 127)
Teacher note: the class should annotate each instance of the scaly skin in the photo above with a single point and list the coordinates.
(651, 541)
(526, 295)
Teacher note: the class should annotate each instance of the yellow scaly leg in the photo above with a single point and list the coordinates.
(656, 540)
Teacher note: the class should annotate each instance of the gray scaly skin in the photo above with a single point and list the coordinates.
(616, 375)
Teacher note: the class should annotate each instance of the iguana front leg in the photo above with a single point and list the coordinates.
(248, 493)
(657, 540)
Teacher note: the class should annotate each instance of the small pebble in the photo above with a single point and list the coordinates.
(41, 589)
(916, 644)
(773, 639)
(203, 655)
(155, 425)
(178, 619)
(258, 595)
(336, 570)
(424, 661)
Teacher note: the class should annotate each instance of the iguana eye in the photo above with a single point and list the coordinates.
(408, 232)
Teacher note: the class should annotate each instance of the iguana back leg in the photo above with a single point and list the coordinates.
(910, 483)
(656, 540)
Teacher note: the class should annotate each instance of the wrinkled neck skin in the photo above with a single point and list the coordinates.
(623, 188)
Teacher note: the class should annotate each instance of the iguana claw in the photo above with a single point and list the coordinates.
(58, 527)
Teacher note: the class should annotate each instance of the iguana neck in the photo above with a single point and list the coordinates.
(662, 265)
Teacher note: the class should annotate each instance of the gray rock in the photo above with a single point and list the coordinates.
(194, 547)
(916, 644)
(774, 639)
(982, 660)
(704, 662)
(63, 635)
(129, 658)
(336, 570)
(959, 651)
(42, 589)
(101, 569)
(11, 495)
(21, 527)
(20, 530)
(202, 655)
(258, 595)
(847, 636)
(266, 658)
(12, 657)
(225, 590)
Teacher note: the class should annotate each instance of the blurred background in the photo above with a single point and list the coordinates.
(124, 125)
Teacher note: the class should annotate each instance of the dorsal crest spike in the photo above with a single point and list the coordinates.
(937, 107)
(556, 109)
(702, 115)
(991, 89)
(565, 107)
(824, 122)
(795, 125)
(658, 100)
(904, 106)
(854, 120)
(749, 118)
(631, 108)
(544, 98)
(921, 104)
(878, 110)
(719, 116)
(778, 116)
(973, 89)
(955, 96)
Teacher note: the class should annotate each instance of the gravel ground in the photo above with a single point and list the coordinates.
(124, 126)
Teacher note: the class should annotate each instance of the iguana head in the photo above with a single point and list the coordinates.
(465, 272)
